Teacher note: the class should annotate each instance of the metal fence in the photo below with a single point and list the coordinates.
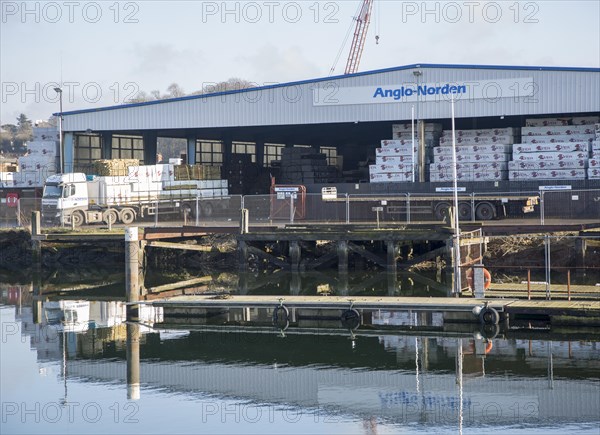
(569, 204)
(547, 266)
(18, 214)
(273, 210)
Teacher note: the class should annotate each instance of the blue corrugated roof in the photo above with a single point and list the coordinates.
(303, 82)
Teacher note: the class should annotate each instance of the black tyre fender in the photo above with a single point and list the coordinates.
(281, 315)
(489, 316)
(489, 331)
(350, 319)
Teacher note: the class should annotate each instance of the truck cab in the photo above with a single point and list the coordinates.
(64, 194)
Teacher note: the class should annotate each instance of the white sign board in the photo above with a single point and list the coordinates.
(555, 187)
(331, 94)
(450, 189)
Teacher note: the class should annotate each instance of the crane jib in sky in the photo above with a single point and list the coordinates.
(360, 35)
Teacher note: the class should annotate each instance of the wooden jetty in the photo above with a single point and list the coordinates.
(391, 247)
(455, 309)
(295, 248)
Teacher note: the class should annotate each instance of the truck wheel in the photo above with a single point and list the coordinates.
(127, 216)
(464, 211)
(207, 209)
(77, 218)
(485, 211)
(441, 211)
(110, 216)
(186, 209)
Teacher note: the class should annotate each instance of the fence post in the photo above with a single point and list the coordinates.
(109, 219)
(156, 214)
(528, 284)
(542, 217)
(473, 207)
(569, 285)
(547, 266)
(408, 208)
(347, 208)
(19, 212)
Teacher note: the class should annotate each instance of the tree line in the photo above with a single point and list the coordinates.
(176, 91)
(13, 137)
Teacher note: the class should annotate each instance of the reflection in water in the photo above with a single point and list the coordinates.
(133, 361)
(363, 283)
(386, 379)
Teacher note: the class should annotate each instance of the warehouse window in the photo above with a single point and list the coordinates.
(128, 147)
(244, 148)
(331, 153)
(209, 152)
(87, 149)
(272, 152)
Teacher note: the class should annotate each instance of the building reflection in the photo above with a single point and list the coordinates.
(396, 377)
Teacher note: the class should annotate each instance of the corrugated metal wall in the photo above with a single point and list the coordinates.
(555, 92)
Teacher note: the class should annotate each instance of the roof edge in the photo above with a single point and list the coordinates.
(338, 77)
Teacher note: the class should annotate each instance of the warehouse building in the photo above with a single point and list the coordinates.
(329, 131)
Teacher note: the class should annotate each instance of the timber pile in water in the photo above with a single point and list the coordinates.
(516, 253)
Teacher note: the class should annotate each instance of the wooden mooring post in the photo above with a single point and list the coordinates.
(133, 361)
(580, 252)
(244, 221)
(295, 255)
(132, 272)
(342, 249)
(392, 249)
(36, 252)
(36, 244)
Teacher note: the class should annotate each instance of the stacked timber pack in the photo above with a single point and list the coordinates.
(554, 148)
(481, 155)
(40, 161)
(395, 159)
(432, 135)
(197, 172)
(155, 182)
(114, 167)
(245, 177)
(593, 171)
(7, 172)
(302, 165)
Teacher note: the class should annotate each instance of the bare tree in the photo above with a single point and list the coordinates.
(176, 91)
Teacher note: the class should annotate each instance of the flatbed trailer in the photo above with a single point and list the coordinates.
(480, 207)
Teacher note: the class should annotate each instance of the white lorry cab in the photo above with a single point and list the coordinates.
(64, 194)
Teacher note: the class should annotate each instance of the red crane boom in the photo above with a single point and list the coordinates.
(360, 35)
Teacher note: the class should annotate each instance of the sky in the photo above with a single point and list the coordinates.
(104, 52)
